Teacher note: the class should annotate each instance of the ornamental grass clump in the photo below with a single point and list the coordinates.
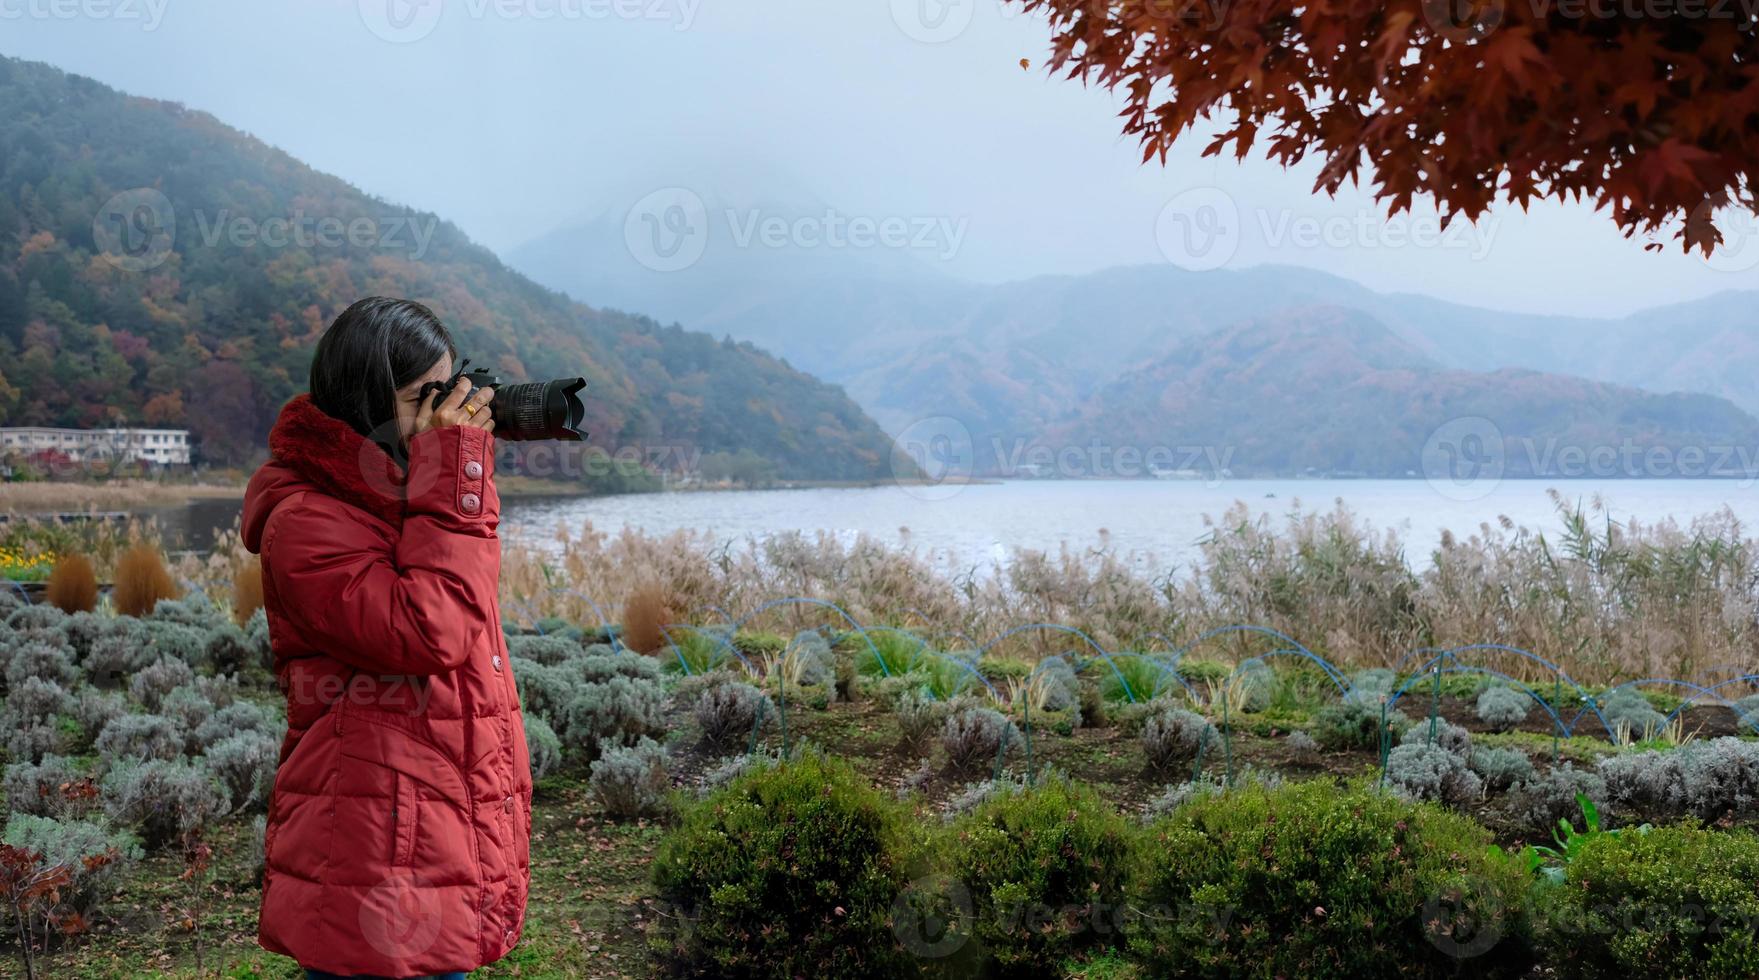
(73, 584)
(141, 581)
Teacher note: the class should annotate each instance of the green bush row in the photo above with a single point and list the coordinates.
(803, 868)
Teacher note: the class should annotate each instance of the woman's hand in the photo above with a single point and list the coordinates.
(461, 406)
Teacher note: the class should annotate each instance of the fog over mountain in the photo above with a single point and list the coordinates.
(1023, 359)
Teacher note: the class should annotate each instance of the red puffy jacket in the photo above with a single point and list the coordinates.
(398, 839)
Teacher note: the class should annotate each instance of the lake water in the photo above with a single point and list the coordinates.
(958, 527)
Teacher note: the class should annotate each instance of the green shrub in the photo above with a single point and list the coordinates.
(37, 788)
(1444, 735)
(1537, 804)
(1502, 708)
(760, 642)
(244, 763)
(242, 716)
(729, 715)
(544, 748)
(1501, 769)
(544, 689)
(1628, 710)
(1672, 902)
(617, 711)
(978, 738)
(139, 738)
(42, 661)
(1199, 672)
(630, 782)
(163, 801)
(546, 650)
(1045, 868)
(1430, 772)
(791, 869)
(69, 844)
(1177, 737)
(151, 683)
(920, 716)
(1312, 881)
(1353, 723)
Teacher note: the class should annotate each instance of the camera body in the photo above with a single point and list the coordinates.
(526, 411)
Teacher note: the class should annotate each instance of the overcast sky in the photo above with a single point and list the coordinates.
(512, 117)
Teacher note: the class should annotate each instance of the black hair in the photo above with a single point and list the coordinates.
(375, 347)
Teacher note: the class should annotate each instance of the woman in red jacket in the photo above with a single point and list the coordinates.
(398, 841)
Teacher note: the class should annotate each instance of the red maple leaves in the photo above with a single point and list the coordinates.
(1648, 108)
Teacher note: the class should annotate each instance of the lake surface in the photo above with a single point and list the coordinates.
(958, 527)
(963, 526)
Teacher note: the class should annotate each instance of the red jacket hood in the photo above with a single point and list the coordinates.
(312, 451)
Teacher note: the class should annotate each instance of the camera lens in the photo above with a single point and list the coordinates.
(540, 410)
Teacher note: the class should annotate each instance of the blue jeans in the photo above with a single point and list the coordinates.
(321, 975)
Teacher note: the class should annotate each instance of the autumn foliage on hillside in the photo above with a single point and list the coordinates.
(1648, 108)
(214, 331)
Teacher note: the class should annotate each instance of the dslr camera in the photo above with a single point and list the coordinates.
(528, 411)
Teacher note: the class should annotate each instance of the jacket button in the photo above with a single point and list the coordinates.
(508, 806)
(473, 469)
(470, 503)
(496, 660)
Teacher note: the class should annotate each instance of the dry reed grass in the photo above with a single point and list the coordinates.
(1608, 601)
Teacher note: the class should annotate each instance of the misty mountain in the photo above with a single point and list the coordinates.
(158, 266)
(1014, 360)
(1332, 390)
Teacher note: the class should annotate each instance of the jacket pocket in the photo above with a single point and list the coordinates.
(404, 815)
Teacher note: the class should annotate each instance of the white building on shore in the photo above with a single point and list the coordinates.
(165, 447)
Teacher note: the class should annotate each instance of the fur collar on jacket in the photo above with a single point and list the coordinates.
(326, 452)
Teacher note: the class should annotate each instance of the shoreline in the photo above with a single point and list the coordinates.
(50, 497)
